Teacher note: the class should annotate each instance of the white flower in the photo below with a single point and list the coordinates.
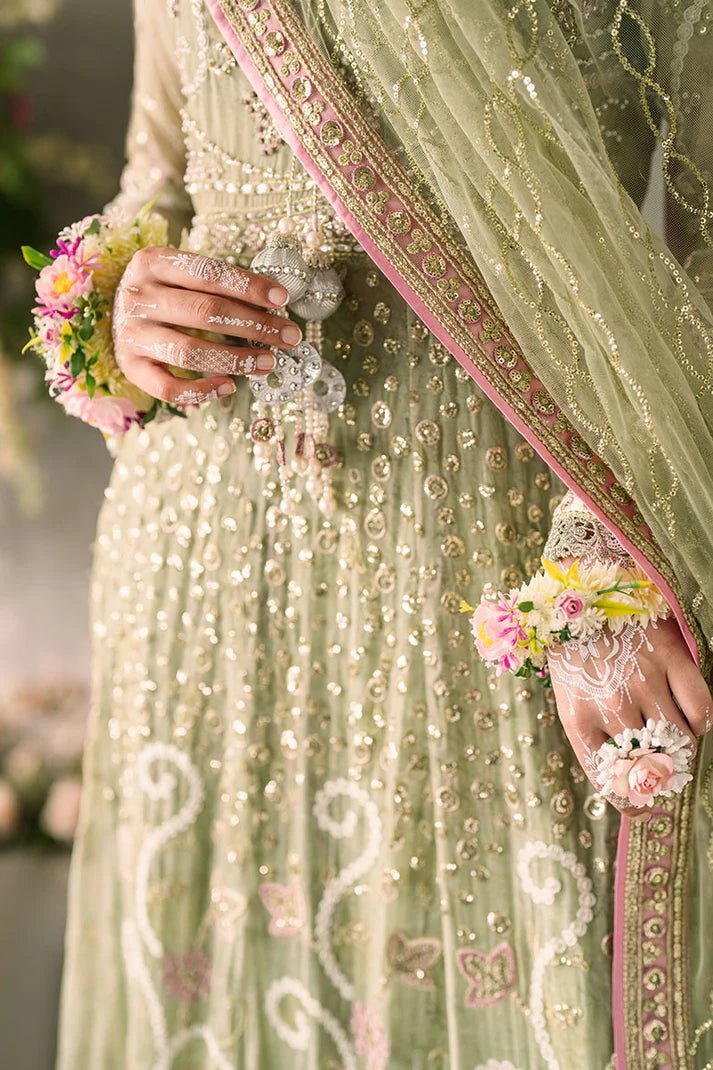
(599, 576)
(546, 620)
(541, 589)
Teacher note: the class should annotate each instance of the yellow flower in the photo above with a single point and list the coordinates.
(567, 577)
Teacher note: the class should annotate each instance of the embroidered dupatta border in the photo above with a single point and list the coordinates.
(373, 195)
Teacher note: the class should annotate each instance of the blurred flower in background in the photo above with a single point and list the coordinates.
(41, 735)
(28, 11)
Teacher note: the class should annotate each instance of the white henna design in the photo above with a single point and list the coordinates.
(195, 397)
(599, 670)
(127, 307)
(200, 359)
(235, 321)
(210, 270)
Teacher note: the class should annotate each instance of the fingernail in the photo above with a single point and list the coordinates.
(291, 334)
(265, 362)
(225, 389)
(278, 296)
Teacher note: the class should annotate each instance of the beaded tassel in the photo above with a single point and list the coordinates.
(305, 381)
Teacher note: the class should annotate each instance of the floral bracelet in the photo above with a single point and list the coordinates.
(640, 765)
(72, 321)
(557, 605)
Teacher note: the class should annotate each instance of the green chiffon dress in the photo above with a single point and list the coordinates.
(316, 831)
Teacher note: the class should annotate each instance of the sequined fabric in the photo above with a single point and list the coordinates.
(316, 831)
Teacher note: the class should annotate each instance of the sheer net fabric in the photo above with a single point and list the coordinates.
(557, 112)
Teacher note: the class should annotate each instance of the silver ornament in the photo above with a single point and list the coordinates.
(322, 297)
(282, 260)
(310, 360)
(294, 370)
(330, 389)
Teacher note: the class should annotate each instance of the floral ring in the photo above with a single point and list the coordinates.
(640, 765)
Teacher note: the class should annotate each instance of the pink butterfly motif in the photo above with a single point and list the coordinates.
(413, 960)
(286, 905)
(491, 974)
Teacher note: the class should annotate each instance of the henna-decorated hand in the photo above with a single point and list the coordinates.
(617, 682)
(164, 289)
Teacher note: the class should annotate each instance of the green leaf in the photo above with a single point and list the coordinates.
(150, 415)
(525, 607)
(91, 384)
(94, 227)
(176, 412)
(76, 363)
(86, 329)
(525, 670)
(34, 258)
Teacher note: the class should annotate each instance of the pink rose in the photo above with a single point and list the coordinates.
(61, 284)
(61, 811)
(640, 778)
(571, 604)
(497, 628)
(113, 416)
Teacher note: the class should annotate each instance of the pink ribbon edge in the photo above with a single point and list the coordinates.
(401, 286)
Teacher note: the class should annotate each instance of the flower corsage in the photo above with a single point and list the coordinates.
(72, 320)
(640, 765)
(514, 631)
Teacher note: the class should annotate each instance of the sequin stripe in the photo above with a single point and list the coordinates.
(434, 274)
(653, 942)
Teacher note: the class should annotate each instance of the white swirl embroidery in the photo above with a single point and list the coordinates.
(298, 1035)
(161, 790)
(545, 895)
(338, 885)
(139, 934)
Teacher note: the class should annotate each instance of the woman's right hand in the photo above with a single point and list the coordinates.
(163, 290)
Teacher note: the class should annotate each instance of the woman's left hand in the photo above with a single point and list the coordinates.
(622, 681)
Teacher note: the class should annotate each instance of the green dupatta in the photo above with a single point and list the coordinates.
(490, 155)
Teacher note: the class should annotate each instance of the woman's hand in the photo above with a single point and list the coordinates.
(620, 681)
(164, 289)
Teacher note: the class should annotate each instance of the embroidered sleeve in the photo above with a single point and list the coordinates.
(576, 532)
(155, 148)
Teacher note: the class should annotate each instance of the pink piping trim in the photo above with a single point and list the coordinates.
(399, 284)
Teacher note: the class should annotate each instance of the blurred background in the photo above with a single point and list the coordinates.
(65, 77)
